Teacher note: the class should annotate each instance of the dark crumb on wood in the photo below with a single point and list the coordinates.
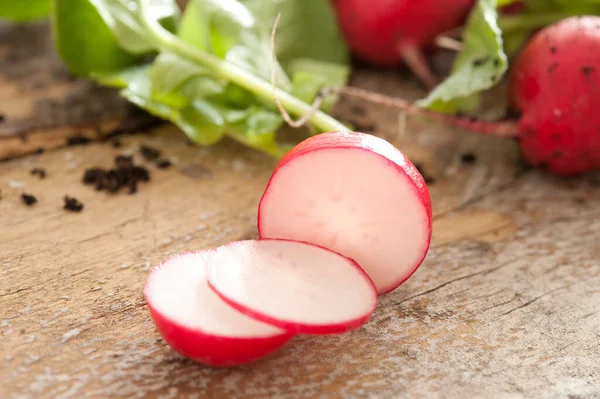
(39, 151)
(419, 167)
(28, 199)
(125, 175)
(140, 173)
(2, 118)
(116, 144)
(468, 158)
(93, 175)
(78, 139)
(23, 137)
(123, 162)
(427, 178)
(587, 70)
(132, 187)
(41, 172)
(480, 61)
(72, 204)
(149, 153)
(164, 164)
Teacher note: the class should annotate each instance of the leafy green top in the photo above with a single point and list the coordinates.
(208, 70)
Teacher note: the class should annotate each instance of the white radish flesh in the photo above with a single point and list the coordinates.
(297, 286)
(355, 194)
(194, 321)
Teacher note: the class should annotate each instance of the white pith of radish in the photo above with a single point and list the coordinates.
(194, 321)
(297, 286)
(357, 195)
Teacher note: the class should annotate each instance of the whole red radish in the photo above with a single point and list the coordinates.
(355, 194)
(195, 322)
(387, 32)
(555, 84)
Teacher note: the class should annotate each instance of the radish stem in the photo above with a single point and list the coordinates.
(507, 129)
(413, 57)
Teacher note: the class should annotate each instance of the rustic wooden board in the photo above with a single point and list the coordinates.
(41, 105)
(506, 304)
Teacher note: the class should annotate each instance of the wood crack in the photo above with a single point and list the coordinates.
(537, 298)
(480, 198)
(486, 271)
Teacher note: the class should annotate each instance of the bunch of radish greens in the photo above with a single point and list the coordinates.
(206, 69)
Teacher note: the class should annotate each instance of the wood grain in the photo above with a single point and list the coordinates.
(506, 305)
(41, 105)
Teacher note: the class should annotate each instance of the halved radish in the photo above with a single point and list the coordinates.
(297, 286)
(195, 322)
(355, 194)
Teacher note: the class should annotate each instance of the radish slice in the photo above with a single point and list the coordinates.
(297, 286)
(195, 322)
(355, 194)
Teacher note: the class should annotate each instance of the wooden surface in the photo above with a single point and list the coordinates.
(506, 305)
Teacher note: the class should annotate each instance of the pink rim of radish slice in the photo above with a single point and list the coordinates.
(297, 286)
(195, 322)
(357, 195)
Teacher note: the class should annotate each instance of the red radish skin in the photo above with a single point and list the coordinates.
(387, 32)
(195, 322)
(555, 84)
(356, 194)
(297, 286)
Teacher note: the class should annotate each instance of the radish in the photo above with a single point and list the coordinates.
(195, 322)
(555, 85)
(297, 286)
(355, 194)
(387, 32)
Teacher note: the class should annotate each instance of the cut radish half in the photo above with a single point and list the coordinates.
(355, 194)
(297, 286)
(195, 322)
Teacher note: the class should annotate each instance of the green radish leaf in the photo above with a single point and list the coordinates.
(240, 34)
(123, 19)
(24, 11)
(309, 76)
(478, 67)
(83, 40)
(212, 78)
(105, 35)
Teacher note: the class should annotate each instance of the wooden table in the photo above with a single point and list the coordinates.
(507, 303)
